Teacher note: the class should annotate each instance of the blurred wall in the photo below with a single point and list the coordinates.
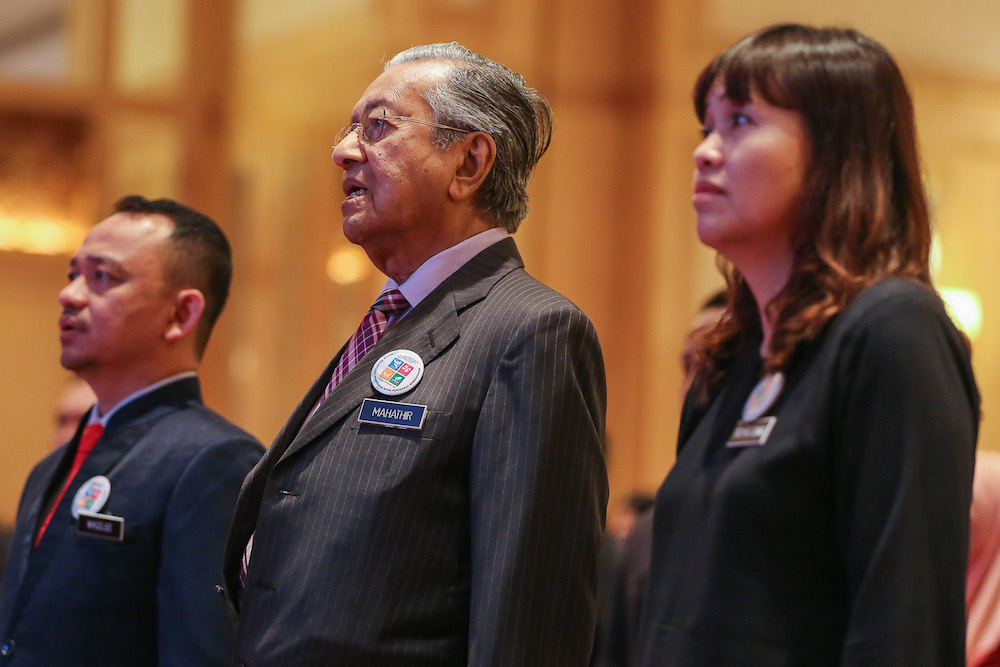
(273, 81)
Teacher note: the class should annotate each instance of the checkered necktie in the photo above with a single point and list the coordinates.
(390, 302)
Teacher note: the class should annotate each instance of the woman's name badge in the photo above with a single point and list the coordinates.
(763, 396)
(91, 496)
(397, 372)
(753, 429)
(752, 434)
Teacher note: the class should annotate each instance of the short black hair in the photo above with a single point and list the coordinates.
(200, 255)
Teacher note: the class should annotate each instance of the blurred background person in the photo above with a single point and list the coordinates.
(622, 610)
(983, 585)
(73, 403)
(620, 523)
(818, 510)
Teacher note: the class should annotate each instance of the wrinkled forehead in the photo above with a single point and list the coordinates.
(402, 88)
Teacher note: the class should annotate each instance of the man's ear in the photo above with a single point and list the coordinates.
(477, 153)
(189, 304)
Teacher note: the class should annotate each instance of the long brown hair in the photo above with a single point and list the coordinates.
(864, 211)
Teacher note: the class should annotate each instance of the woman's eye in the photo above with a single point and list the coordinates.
(740, 118)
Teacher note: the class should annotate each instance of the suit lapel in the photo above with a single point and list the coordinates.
(427, 330)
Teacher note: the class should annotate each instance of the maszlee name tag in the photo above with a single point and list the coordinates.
(390, 413)
(100, 525)
(752, 434)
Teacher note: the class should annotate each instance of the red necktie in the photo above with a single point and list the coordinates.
(91, 434)
(390, 302)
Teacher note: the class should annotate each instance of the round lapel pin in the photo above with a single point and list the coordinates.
(763, 396)
(397, 372)
(91, 496)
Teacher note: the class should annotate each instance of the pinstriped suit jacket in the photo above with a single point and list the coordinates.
(472, 541)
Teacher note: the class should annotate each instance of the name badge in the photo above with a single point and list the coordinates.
(395, 415)
(752, 434)
(100, 525)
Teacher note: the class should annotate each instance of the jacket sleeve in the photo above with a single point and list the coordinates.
(195, 626)
(906, 416)
(538, 497)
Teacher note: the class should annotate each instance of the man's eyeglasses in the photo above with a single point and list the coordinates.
(371, 129)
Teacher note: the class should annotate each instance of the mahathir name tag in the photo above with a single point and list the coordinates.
(752, 434)
(392, 414)
(100, 525)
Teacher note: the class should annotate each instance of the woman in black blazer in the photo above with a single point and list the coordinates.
(818, 510)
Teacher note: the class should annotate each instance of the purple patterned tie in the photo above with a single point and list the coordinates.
(390, 302)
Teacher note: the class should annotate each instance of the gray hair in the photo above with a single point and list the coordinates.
(482, 95)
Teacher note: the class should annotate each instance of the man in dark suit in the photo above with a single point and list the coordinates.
(439, 498)
(116, 552)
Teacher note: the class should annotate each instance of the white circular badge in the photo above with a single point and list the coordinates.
(763, 396)
(397, 372)
(91, 496)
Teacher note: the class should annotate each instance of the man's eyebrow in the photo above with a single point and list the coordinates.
(98, 260)
(374, 104)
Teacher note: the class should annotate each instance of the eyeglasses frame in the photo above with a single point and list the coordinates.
(358, 127)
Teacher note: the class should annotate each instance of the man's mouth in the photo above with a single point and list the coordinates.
(69, 329)
(68, 324)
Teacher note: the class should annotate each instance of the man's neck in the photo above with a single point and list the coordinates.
(408, 255)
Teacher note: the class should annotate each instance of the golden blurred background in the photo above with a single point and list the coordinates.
(231, 106)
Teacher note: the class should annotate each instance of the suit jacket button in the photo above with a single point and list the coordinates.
(7, 648)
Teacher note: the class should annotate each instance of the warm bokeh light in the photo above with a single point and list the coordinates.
(40, 235)
(347, 265)
(966, 309)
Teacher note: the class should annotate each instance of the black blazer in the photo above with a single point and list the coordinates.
(472, 541)
(843, 538)
(175, 469)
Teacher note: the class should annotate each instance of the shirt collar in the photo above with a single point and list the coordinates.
(95, 415)
(433, 272)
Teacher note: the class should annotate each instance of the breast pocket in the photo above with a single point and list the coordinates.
(398, 452)
(111, 565)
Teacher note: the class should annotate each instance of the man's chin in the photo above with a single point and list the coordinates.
(73, 362)
(354, 231)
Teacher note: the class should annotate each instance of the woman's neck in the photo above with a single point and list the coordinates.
(766, 280)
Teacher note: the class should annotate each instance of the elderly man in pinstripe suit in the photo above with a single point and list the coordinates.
(438, 496)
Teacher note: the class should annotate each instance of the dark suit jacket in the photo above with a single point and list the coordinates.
(175, 469)
(472, 541)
